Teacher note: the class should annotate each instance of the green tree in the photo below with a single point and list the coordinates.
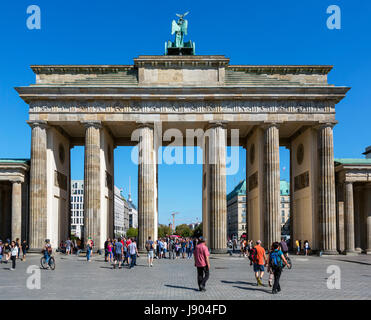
(183, 230)
(132, 233)
(197, 232)
(163, 230)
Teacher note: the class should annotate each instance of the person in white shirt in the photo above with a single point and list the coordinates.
(13, 254)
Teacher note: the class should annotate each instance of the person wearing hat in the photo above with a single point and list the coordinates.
(202, 263)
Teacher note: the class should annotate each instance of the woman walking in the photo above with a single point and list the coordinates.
(89, 247)
(13, 254)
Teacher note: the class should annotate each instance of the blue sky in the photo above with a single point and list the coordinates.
(248, 32)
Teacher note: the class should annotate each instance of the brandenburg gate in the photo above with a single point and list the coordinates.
(100, 106)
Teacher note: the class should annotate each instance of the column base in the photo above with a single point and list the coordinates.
(368, 251)
(329, 253)
(358, 250)
(219, 251)
(351, 253)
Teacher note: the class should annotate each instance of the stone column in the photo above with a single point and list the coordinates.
(92, 183)
(146, 186)
(367, 198)
(38, 185)
(357, 218)
(349, 218)
(272, 226)
(218, 187)
(327, 216)
(16, 210)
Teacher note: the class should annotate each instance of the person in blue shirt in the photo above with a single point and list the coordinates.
(276, 260)
(189, 248)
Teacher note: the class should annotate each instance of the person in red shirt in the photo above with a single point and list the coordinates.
(260, 261)
(202, 263)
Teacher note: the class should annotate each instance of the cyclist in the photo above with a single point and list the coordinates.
(47, 251)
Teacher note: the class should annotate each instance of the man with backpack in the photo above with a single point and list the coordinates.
(276, 260)
(149, 248)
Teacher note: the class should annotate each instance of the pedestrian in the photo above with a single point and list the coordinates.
(6, 250)
(119, 251)
(171, 249)
(183, 247)
(24, 250)
(14, 253)
(133, 251)
(18, 245)
(106, 249)
(259, 262)
(230, 247)
(306, 247)
(297, 247)
(202, 263)
(89, 248)
(109, 252)
(1, 251)
(276, 260)
(149, 248)
(68, 246)
(284, 247)
(190, 248)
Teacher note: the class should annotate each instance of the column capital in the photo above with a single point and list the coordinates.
(16, 181)
(145, 124)
(268, 124)
(325, 124)
(217, 124)
(93, 123)
(38, 123)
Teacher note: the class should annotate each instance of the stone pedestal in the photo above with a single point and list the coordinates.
(218, 188)
(147, 202)
(272, 226)
(92, 184)
(349, 218)
(327, 217)
(16, 210)
(38, 186)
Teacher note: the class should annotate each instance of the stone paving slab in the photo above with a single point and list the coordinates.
(230, 278)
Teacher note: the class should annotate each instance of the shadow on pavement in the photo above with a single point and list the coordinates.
(180, 287)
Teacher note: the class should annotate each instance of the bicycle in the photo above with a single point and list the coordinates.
(50, 263)
(289, 262)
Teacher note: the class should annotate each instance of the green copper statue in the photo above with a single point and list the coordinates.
(179, 47)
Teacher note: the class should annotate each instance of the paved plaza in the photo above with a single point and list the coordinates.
(230, 278)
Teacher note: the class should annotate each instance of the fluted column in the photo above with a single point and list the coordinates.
(218, 188)
(349, 218)
(357, 218)
(327, 217)
(38, 185)
(92, 183)
(367, 198)
(272, 226)
(147, 202)
(16, 210)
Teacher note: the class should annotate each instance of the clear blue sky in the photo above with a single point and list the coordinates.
(248, 32)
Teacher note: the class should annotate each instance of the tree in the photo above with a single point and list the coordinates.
(163, 230)
(132, 233)
(197, 232)
(183, 230)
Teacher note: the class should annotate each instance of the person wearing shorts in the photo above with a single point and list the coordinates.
(259, 262)
(119, 249)
(150, 254)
